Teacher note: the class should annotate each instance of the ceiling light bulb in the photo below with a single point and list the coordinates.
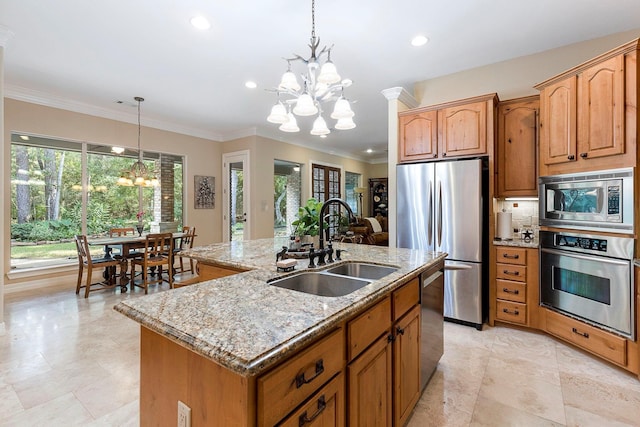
(251, 85)
(200, 22)
(419, 41)
(320, 127)
(369, 150)
(278, 114)
(305, 106)
(345, 124)
(289, 82)
(342, 109)
(328, 73)
(290, 125)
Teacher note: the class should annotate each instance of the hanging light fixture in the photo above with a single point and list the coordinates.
(138, 174)
(321, 83)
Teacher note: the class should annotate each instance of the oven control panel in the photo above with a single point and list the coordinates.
(581, 243)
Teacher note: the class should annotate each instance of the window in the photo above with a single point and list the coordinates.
(325, 186)
(351, 183)
(287, 184)
(62, 188)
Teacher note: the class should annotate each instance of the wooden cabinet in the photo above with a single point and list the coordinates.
(459, 128)
(462, 130)
(588, 115)
(518, 147)
(326, 408)
(516, 285)
(286, 387)
(594, 340)
(384, 378)
(418, 136)
(210, 272)
(378, 197)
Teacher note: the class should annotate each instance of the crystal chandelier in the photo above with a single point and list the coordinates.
(321, 84)
(138, 174)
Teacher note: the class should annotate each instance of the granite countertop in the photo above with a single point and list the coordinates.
(518, 243)
(246, 325)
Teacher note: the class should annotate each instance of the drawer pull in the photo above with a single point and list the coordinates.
(511, 273)
(399, 330)
(303, 419)
(516, 256)
(582, 334)
(509, 291)
(301, 380)
(514, 312)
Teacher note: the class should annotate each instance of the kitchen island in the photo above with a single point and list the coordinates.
(224, 346)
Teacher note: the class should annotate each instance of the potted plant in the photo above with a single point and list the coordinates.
(307, 222)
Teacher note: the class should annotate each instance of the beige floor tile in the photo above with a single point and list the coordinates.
(580, 418)
(125, 416)
(65, 410)
(9, 402)
(523, 392)
(489, 413)
(444, 403)
(610, 401)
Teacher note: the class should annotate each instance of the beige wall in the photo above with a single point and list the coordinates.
(516, 77)
(264, 151)
(202, 157)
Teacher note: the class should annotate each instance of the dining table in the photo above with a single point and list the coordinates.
(127, 246)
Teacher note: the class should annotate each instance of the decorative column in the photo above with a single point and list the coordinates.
(5, 230)
(399, 100)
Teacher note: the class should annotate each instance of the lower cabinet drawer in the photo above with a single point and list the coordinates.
(366, 328)
(511, 272)
(511, 291)
(325, 408)
(285, 387)
(602, 343)
(511, 311)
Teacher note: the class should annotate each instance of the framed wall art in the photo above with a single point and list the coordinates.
(205, 194)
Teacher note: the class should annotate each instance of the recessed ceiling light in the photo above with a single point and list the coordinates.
(323, 136)
(200, 22)
(419, 41)
(251, 85)
(369, 150)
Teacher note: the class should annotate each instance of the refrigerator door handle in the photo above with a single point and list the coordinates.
(439, 208)
(430, 217)
(457, 267)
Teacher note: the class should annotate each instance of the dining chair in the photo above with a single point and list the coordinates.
(109, 265)
(156, 253)
(186, 242)
(124, 232)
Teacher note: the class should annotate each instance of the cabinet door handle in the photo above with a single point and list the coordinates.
(444, 154)
(399, 330)
(516, 256)
(511, 273)
(514, 312)
(582, 334)
(571, 157)
(391, 338)
(301, 380)
(509, 291)
(303, 419)
(435, 155)
(584, 155)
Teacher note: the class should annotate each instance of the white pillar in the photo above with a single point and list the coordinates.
(5, 189)
(399, 100)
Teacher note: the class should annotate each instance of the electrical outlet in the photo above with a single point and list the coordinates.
(184, 415)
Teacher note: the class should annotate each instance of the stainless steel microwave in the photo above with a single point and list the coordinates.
(598, 201)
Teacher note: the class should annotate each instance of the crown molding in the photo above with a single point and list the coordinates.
(32, 96)
(401, 95)
(5, 35)
(241, 133)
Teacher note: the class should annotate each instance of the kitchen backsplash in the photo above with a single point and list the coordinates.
(524, 215)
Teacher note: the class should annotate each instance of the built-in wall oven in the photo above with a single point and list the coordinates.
(589, 276)
(595, 201)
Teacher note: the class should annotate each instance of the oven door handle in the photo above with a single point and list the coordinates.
(603, 259)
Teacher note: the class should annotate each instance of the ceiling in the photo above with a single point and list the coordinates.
(87, 55)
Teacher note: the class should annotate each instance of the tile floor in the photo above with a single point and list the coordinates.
(69, 361)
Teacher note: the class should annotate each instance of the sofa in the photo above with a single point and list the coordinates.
(374, 231)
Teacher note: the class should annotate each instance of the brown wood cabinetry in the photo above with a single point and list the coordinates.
(459, 128)
(588, 115)
(518, 147)
(516, 285)
(418, 136)
(406, 365)
(210, 272)
(326, 408)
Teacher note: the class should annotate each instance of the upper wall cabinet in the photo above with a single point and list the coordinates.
(460, 128)
(518, 147)
(588, 115)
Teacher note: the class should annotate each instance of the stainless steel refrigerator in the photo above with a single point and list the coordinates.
(443, 206)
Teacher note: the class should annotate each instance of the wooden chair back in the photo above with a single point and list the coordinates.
(82, 245)
(186, 242)
(158, 244)
(121, 232)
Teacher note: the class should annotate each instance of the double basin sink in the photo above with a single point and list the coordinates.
(336, 281)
